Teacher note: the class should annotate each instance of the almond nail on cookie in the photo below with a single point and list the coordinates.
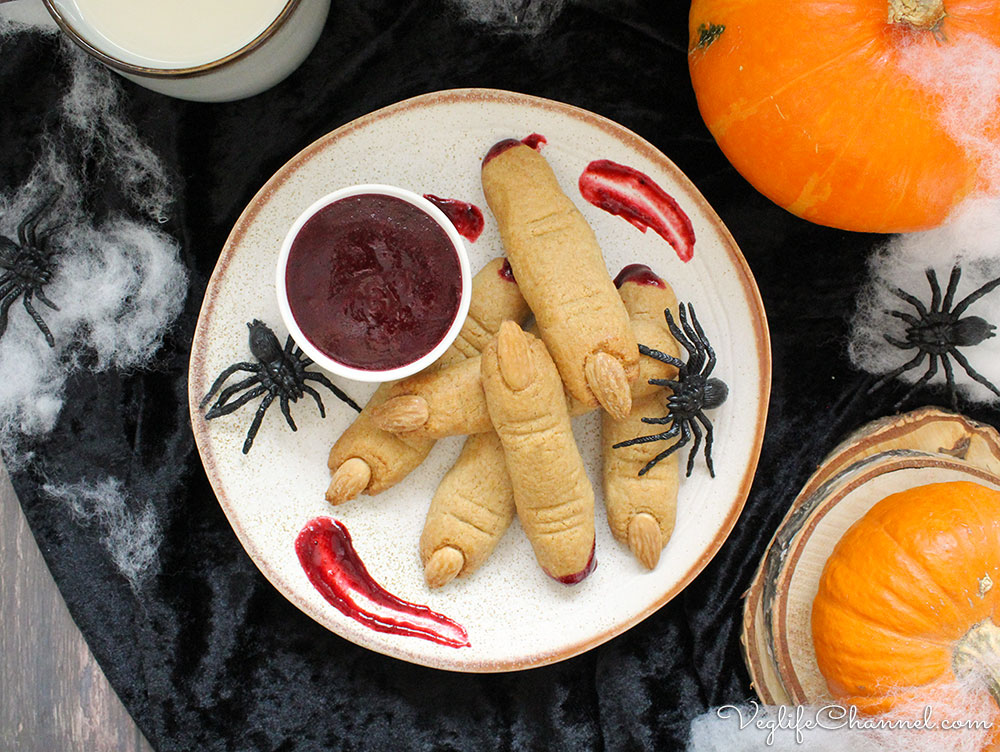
(471, 510)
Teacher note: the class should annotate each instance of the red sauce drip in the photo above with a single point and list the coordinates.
(499, 148)
(373, 282)
(534, 141)
(506, 272)
(639, 274)
(333, 566)
(630, 194)
(467, 218)
(578, 577)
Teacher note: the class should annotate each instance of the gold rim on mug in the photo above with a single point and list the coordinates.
(187, 72)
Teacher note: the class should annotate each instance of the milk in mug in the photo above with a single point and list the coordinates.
(176, 33)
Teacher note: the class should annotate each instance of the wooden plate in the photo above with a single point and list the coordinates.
(889, 455)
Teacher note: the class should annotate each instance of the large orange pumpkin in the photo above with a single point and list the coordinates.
(814, 103)
(910, 595)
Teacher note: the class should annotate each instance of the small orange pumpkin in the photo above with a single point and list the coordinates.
(910, 598)
(812, 103)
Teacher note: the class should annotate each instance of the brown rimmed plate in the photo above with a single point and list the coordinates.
(516, 617)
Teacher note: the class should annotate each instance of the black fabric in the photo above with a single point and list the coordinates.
(208, 655)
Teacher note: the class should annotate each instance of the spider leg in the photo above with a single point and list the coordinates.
(6, 288)
(709, 435)
(232, 389)
(220, 409)
(932, 280)
(38, 319)
(661, 356)
(899, 343)
(283, 401)
(704, 341)
(681, 338)
(972, 371)
(684, 439)
(315, 395)
(692, 335)
(949, 377)
(931, 370)
(251, 367)
(693, 452)
(975, 295)
(340, 394)
(884, 378)
(289, 359)
(664, 421)
(674, 385)
(913, 301)
(5, 304)
(44, 235)
(674, 430)
(949, 296)
(41, 296)
(255, 425)
(26, 230)
(302, 359)
(908, 318)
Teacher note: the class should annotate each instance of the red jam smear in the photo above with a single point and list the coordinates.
(534, 141)
(578, 577)
(506, 272)
(628, 193)
(373, 282)
(328, 556)
(467, 218)
(639, 274)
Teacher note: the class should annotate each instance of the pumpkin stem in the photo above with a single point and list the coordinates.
(924, 15)
(978, 654)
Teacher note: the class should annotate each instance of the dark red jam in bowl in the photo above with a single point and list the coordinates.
(373, 282)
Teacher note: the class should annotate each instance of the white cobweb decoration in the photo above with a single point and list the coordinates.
(93, 117)
(118, 282)
(129, 528)
(118, 285)
(965, 79)
(971, 241)
(528, 17)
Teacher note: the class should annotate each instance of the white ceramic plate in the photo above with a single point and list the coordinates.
(516, 616)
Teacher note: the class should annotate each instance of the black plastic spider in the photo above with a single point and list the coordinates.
(27, 268)
(279, 374)
(938, 332)
(694, 392)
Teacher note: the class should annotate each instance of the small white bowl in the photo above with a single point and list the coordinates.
(341, 369)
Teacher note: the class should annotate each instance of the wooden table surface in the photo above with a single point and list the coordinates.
(53, 695)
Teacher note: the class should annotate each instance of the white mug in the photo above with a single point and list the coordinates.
(206, 58)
